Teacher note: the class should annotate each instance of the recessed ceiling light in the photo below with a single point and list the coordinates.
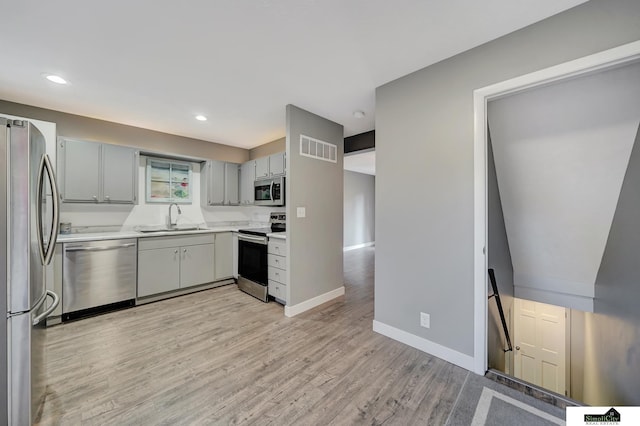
(56, 79)
(358, 114)
(201, 118)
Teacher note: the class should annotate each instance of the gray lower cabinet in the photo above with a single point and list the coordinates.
(277, 269)
(158, 271)
(224, 255)
(175, 262)
(93, 172)
(197, 265)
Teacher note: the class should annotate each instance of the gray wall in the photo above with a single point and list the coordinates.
(499, 259)
(424, 147)
(605, 356)
(76, 126)
(315, 241)
(359, 208)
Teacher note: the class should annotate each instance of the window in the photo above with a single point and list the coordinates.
(168, 181)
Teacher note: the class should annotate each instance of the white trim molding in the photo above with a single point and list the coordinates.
(424, 345)
(359, 246)
(291, 311)
(599, 61)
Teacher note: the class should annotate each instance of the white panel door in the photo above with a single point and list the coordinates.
(540, 344)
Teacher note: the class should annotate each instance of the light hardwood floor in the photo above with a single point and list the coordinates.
(222, 357)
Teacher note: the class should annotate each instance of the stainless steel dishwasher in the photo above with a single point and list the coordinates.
(98, 274)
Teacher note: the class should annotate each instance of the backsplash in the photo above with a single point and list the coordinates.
(116, 217)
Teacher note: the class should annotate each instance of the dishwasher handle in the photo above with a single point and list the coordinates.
(91, 248)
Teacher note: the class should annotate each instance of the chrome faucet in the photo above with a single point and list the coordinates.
(171, 222)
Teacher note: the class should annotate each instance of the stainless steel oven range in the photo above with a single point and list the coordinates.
(252, 257)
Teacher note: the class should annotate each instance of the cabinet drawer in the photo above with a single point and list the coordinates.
(278, 290)
(277, 261)
(278, 247)
(276, 274)
(147, 243)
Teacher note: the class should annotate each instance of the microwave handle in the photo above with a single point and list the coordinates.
(271, 191)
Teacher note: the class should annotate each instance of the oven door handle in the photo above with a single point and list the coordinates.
(244, 237)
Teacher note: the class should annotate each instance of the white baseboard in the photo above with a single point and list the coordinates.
(357, 246)
(294, 310)
(420, 343)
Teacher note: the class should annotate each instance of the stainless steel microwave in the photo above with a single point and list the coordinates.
(269, 192)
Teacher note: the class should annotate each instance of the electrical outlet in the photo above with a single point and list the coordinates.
(301, 212)
(425, 320)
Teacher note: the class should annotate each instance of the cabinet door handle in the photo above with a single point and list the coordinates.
(184, 250)
(175, 251)
(106, 197)
(95, 197)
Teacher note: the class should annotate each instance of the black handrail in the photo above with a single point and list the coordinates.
(496, 294)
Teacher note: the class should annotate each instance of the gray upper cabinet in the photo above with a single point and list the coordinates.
(79, 170)
(247, 177)
(273, 165)
(219, 183)
(119, 177)
(262, 167)
(96, 173)
(231, 183)
(277, 164)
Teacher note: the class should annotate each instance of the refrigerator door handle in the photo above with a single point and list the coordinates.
(54, 305)
(47, 254)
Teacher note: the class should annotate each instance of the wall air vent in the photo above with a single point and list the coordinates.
(320, 150)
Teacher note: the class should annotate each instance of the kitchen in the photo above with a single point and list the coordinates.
(424, 122)
(200, 234)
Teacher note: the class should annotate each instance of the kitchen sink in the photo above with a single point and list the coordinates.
(164, 228)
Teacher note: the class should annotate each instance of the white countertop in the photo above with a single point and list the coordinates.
(100, 236)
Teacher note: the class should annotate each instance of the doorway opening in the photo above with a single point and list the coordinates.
(540, 332)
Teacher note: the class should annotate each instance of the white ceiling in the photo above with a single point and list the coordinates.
(156, 64)
(364, 162)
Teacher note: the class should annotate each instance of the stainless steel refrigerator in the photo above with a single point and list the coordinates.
(28, 232)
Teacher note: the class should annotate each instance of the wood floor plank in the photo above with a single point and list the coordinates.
(222, 357)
